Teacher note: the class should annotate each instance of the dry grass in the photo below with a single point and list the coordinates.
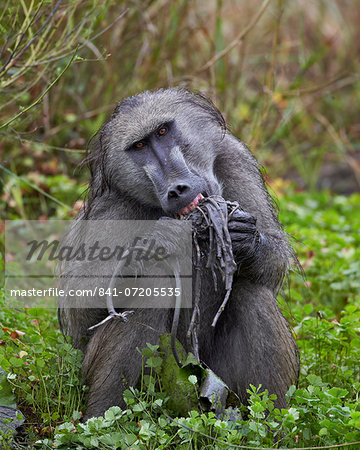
(285, 74)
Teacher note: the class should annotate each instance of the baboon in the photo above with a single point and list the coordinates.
(156, 154)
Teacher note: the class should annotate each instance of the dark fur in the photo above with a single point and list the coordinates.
(251, 342)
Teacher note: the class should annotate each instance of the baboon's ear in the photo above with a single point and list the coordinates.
(95, 160)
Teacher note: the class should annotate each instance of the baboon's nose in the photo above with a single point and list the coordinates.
(177, 190)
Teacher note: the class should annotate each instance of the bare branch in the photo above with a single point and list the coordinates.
(237, 40)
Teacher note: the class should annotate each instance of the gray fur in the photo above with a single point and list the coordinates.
(252, 342)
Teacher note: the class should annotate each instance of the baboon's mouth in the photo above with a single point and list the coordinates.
(190, 207)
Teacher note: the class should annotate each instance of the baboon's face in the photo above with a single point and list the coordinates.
(161, 149)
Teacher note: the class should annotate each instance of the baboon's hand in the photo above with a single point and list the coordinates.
(244, 235)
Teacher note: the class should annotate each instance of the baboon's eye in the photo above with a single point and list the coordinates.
(162, 130)
(139, 144)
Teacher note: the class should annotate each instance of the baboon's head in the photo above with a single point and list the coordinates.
(159, 148)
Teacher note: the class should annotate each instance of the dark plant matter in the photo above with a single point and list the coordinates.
(167, 154)
(210, 225)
